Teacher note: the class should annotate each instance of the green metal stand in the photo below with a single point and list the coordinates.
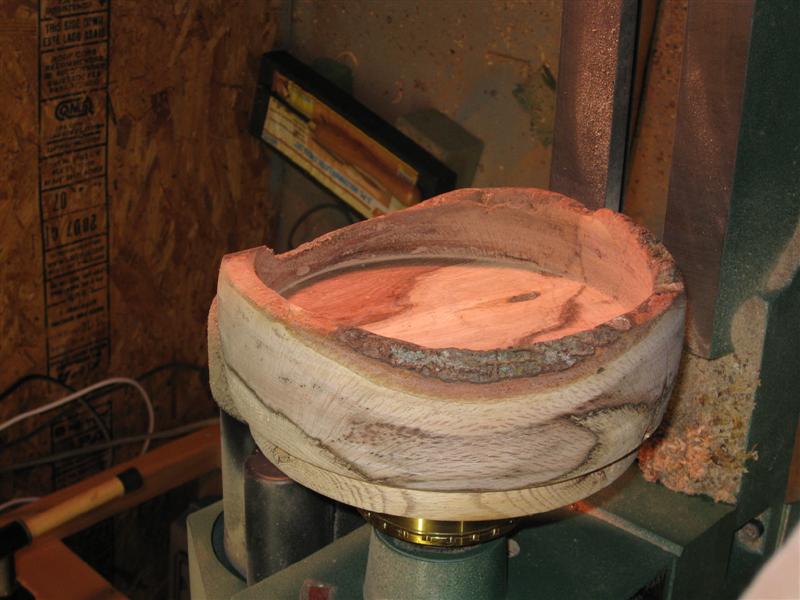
(632, 540)
(404, 571)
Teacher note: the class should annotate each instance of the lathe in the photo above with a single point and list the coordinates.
(447, 401)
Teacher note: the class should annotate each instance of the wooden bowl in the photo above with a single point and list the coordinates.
(483, 355)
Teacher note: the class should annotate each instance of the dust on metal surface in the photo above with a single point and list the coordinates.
(491, 67)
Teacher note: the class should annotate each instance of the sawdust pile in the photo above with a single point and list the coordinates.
(701, 447)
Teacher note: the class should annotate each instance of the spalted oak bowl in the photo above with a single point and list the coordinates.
(485, 354)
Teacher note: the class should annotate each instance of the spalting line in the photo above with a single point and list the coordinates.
(524, 297)
(569, 314)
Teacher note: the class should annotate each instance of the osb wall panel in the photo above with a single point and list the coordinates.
(22, 346)
(180, 96)
(169, 87)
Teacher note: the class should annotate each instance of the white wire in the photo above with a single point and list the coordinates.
(151, 418)
(176, 431)
(14, 502)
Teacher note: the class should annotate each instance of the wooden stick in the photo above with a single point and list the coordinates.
(19, 533)
(162, 469)
(64, 512)
(47, 520)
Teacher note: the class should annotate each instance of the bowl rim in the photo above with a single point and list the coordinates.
(454, 364)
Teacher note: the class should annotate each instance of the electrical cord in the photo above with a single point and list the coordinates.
(346, 211)
(177, 365)
(97, 390)
(25, 379)
(52, 380)
(111, 381)
(168, 433)
(44, 425)
(32, 377)
(16, 502)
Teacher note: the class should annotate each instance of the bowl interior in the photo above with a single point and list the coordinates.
(472, 304)
(471, 276)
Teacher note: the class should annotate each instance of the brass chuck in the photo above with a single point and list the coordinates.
(446, 534)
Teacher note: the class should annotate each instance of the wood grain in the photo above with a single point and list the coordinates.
(478, 305)
(447, 506)
(315, 358)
